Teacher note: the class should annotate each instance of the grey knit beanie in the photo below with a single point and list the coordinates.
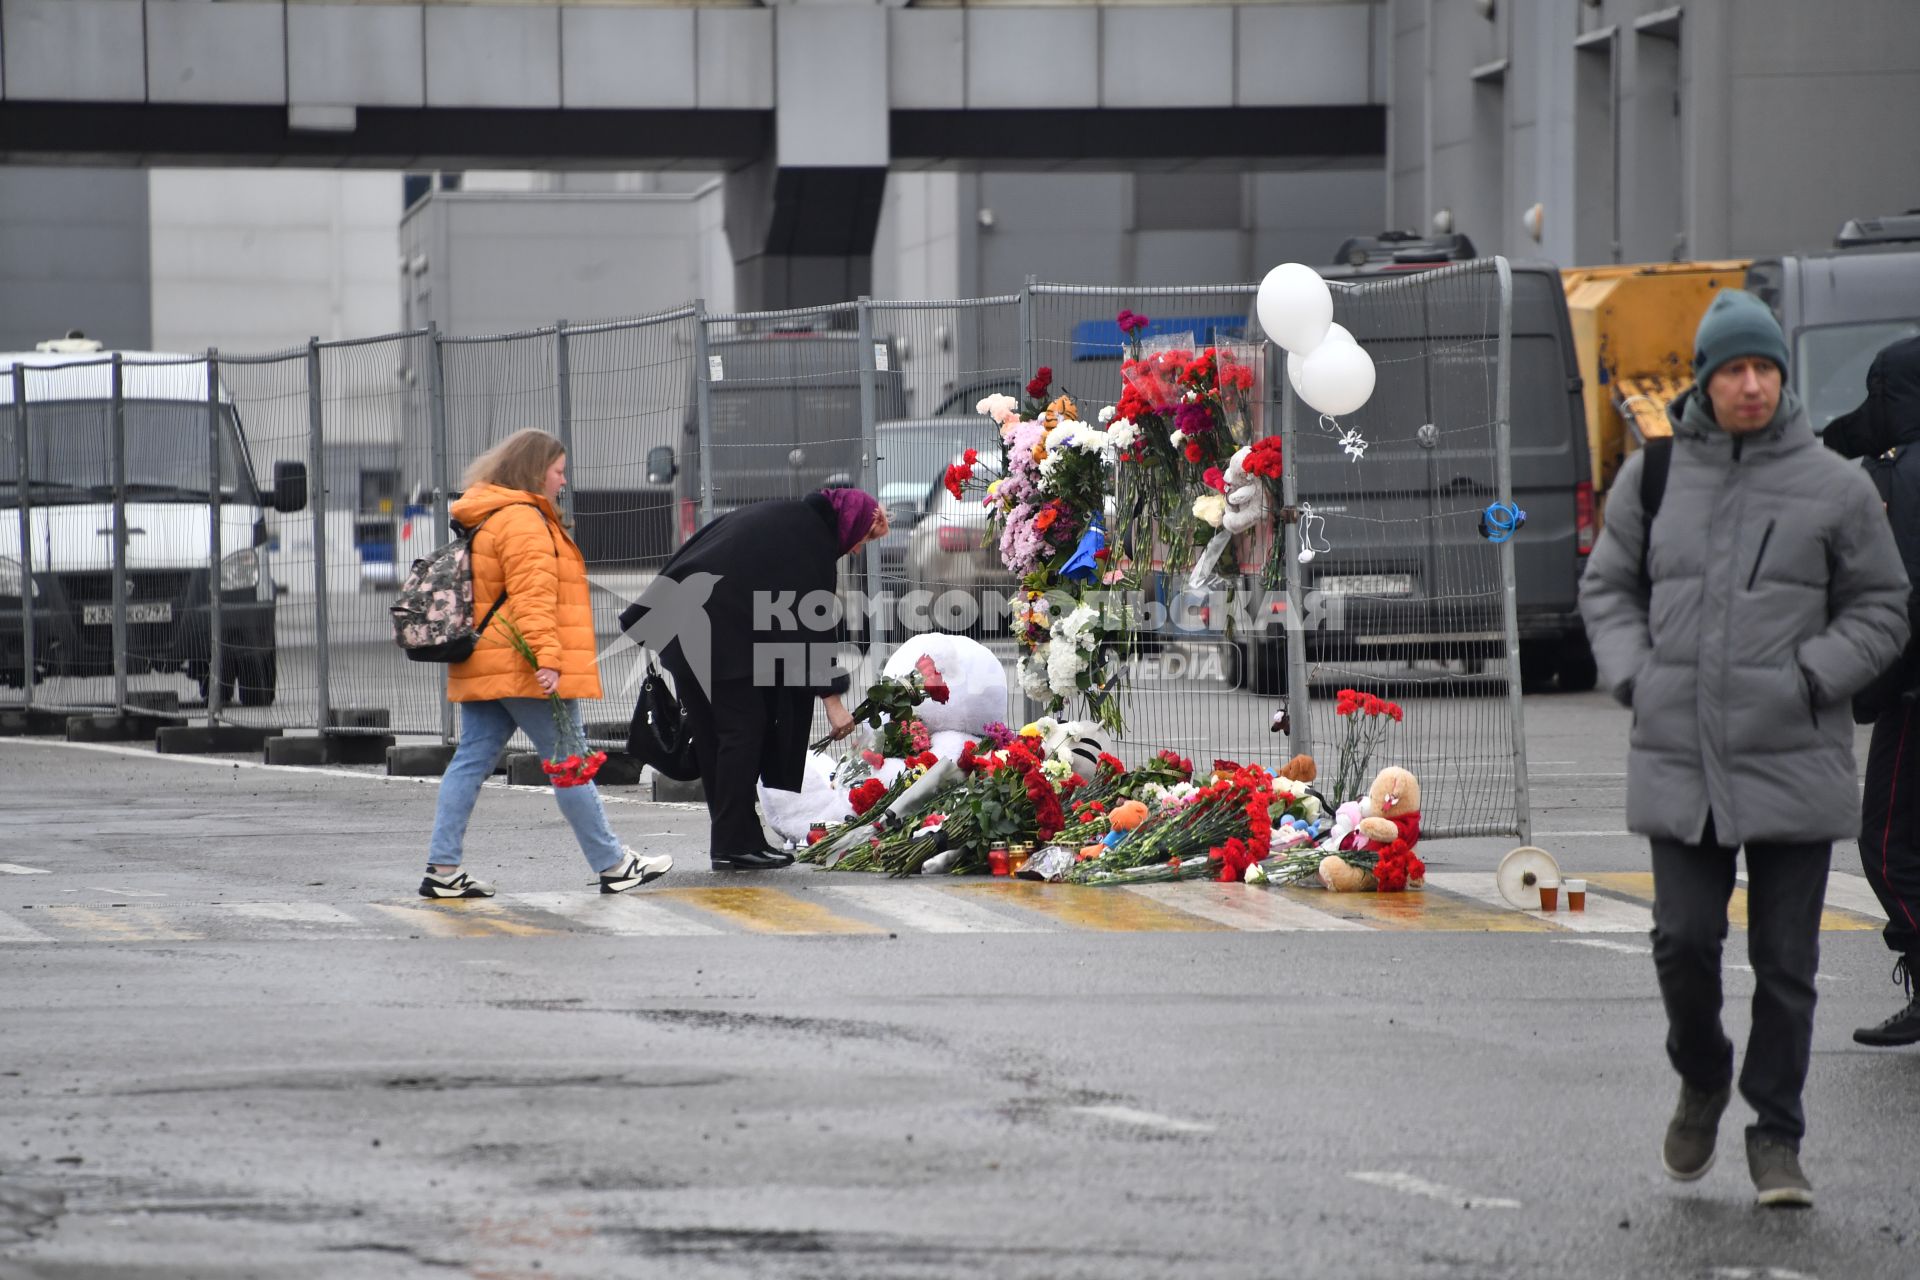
(1736, 324)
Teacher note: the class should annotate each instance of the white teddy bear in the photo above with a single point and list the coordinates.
(978, 697)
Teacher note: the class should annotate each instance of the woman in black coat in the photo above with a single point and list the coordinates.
(747, 620)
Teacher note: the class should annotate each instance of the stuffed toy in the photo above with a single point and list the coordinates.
(1386, 821)
(1299, 769)
(1124, 820)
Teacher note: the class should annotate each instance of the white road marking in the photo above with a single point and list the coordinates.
(929, 909)
(1624, 948)
(1540, 836)
(15, 869)
(215, 762)
(1144, 1119)
(124, 893)
(621, 914)
(1758, 1273)
(1603, 915)
(1849, 893)
(1245, 907)
(1409, 1184)
(289, 912)
(12, 930)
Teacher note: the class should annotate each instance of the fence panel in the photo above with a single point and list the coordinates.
(19, 589)
(1193, 684)
(630, 395)
(1404, 596)
(376, 442)
(273, 651)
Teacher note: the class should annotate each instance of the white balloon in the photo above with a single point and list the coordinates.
(1336, 332)
(1337, 378)
(1295, 306)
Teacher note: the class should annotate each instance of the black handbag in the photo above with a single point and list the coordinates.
(659, 735)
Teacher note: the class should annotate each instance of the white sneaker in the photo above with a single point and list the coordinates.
(633, 871)
(457, 885)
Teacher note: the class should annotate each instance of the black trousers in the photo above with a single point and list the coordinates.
(1786, 892)
(1889, 847)
(742, 734)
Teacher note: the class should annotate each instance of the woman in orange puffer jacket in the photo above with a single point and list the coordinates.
(521, 552)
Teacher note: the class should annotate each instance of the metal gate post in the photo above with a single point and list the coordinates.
(437, 476)
(23, 457)
(316, 465)
(1029, 710)
(119, 526)
(563, 386)
(1503, 462)
(1299, 691)
(215, 553)
(703, 406)
(869, 462)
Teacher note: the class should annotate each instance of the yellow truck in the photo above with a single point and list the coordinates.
(1633, 329)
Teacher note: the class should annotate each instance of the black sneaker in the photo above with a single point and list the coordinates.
(634, 871)
(457, 885)
(1693, 1131)
(1777, 1180)
(1904, 1026)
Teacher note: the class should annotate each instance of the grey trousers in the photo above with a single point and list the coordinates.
(1786, 889)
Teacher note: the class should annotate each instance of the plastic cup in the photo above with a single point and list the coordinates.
(1549, 897)
(1576, 895)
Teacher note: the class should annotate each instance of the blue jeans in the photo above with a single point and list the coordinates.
(484, 730)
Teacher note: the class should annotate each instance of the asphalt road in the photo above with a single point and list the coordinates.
(232, 1044)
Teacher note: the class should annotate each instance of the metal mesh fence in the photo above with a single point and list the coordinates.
(1192, 683)
(275, 648)
(1402, 595)
(673, 419)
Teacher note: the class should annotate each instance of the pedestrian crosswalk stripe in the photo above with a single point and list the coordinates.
(464, 918)
(932, 910)
(12, 930)
(1431, 910)
(1101, 910)
(15, 869)
(1603, 914)
(621, 914)
(123, 924)
(316, 913)
(1252, 910)
(1639, 884)
(1453, 901)
(1851, 893)
(768, 911)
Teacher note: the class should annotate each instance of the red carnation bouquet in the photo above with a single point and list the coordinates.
(573, 763)
(1367, 720)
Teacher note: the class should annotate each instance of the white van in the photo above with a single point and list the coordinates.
(68, 415)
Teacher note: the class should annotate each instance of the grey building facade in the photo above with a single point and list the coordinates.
(1594, 131)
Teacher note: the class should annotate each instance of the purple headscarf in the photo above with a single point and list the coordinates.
(854, 509)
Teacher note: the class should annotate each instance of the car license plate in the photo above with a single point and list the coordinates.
(1367, 584)
(99, 615)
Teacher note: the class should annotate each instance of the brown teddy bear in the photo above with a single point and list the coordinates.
(1299, 769)
(1392, 827)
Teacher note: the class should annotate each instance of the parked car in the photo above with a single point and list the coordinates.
(912, 457)
(170, 581)
(950, 551)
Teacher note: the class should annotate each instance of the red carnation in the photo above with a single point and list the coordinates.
(1041, 381)
(1193, 451)
(866, 795)
(1215, 479)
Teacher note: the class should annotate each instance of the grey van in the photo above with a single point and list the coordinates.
(1839, 307)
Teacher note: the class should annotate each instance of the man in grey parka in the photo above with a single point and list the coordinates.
(1767, 593)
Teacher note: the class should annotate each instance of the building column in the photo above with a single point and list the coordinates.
(801, 223)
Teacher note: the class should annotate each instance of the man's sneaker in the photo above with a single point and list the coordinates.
(634, 870)
(1904, 1026)
(1688, 1152)
(457, 885)
(1777, 1180)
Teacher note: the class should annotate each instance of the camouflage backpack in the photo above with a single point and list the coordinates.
(433, 614)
